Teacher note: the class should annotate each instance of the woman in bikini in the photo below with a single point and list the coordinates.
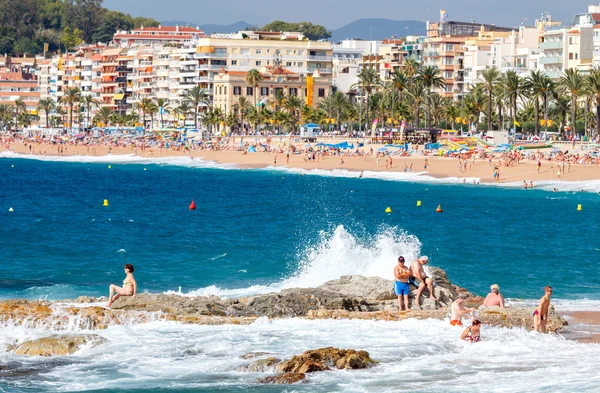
(473, 332)
(129, 286)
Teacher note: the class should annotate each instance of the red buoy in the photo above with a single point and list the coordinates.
(193, 205)
(439, 209)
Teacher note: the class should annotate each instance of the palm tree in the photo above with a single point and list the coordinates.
(452, 113)
(411, 68)
(339, 103)
(515, 88)
(537, 85)
(183, 110)
(70, 98)
(242, 107)
(430, 77)
(19, 108)
(196, 96)
(368, 80)
(161, 103)
(5, 114)
(572, 81)
(145, 105)
(253, 79)
(88, 102)
(46, 105)
(417, 92)
(490, 76)
(103, 116)
(231, 120)
(436, 105)
(293, 104)
(592, 85)
(474, 103)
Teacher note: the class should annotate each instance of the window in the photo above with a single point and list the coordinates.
(225, 90)
(570, 40)
(570, 56)
(293, 91)
(264, 91)
(259, 51)
(259, 63)
(576, 56)
(449, 47)
(448, 74)
(233, 62)
(300, 64)
(288, 64)
(249, 91)
(237, 90)
(300, 52)
(321, 92)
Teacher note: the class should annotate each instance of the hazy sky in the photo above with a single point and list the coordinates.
(336, 13)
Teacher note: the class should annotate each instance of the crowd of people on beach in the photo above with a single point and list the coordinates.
(415, 275)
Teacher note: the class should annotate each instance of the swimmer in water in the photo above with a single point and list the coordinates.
(473, 332)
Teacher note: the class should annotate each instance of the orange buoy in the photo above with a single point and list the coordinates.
(193, 205)
(439, 209)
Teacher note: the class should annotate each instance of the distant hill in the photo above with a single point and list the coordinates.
(209, 29)
(378, 29)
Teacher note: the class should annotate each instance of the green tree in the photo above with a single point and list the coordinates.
(161, 103)
(70, 98)
(515, 89)
(253, 79)
(368, 81)
(89, 102)
(572, 81)
(145, 106)
(46, 105)
(312, 32)
(491, 77)
(197, 96)
(592, 85)
(19, 108)
(431, 78)
(71, 37)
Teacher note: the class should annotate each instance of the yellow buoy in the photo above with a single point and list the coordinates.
(105, 202)
(388, 210)
(418, 203)
(109, 167)
(439, 209)
(579, 208)
(12, 166)
(10, 209)
(144, 168)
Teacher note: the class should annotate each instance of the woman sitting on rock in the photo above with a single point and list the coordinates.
(129, 286)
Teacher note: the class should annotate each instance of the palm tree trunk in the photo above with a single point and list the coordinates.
(71, 117)
(537, 115)
(546, 109)
(195, 115)
(514, 112)
(47, 119)
(490, 111)
(598, 116)
(573, 115)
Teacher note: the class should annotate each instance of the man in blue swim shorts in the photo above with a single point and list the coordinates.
(401, 288)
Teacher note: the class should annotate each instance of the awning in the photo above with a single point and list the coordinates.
(205, 49)
(118, 97)
(148, 69)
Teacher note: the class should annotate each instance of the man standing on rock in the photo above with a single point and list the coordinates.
(459, 310)
(540, 315)
(401, 287)
(417, 271)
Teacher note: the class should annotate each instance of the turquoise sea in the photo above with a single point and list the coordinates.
(256, 231)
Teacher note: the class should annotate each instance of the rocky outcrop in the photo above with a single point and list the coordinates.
(350, 297)
(327, 359)
(261, 365)
(287, 378)
(57, 345)
(518, 317)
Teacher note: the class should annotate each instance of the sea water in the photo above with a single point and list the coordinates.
(258, 231)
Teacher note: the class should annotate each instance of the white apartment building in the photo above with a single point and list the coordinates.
(347, 60)
(519, 52)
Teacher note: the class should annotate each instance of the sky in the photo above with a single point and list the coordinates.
(336, 13)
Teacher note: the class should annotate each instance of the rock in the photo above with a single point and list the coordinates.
(521, 317)
(261, 365)
(252, 355)
(57, 345)
(287, 378)
(325, 359)
(362, 287)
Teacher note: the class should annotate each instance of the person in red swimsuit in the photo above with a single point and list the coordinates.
(540, 315)
(473, 332)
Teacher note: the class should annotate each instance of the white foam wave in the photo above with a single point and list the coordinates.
(336, 254)
(206, 358)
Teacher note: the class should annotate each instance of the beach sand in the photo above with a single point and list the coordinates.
(588, 319)
(440, 167)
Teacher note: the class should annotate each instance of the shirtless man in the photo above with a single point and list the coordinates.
(494, 298)
(459, 310)
(540, 315)
(417, 271)
(401, 287)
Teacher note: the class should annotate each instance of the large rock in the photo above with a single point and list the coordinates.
(326, 359)
(361, 287)
(57, 345)
(288, 378)
(521, 317)
(261, 365)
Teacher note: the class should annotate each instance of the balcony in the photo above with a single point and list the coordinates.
(321, 70)
(554, 74)
(552, 45)
(204, 79)
(551, 60)
(319, 58)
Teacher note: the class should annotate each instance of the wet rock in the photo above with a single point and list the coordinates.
(252, 355)
(326, 359)
(287, 378)
(57, 345)
(521, 317)
(361, 287)
(261, 365)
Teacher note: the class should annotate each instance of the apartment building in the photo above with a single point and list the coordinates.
(229, 86)
(347, 63)
(18, 81)
(156, 36)
(565, 48)
(518, 52)
(253, 50)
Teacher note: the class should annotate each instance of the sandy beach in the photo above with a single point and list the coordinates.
(440, 167)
